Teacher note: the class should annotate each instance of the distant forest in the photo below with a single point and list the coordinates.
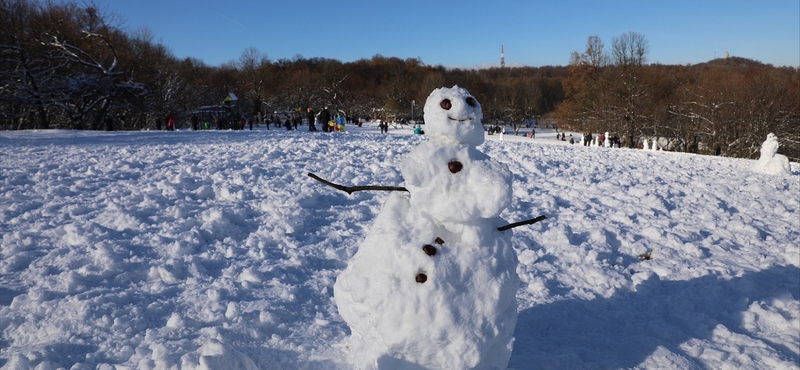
(68, 66)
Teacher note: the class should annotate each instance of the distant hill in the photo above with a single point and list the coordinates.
(733, 62)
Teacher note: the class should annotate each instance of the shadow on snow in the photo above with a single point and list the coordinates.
(624, 330)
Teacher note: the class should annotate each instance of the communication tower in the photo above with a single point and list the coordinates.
(502, 57)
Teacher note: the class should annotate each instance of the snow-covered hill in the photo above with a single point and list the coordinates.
(215, 250)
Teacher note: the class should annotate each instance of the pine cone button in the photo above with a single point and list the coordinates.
(421, 278)
(454, 166)
(429, 249)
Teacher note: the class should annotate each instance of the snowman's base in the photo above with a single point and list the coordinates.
(462, 316)
(355, 348)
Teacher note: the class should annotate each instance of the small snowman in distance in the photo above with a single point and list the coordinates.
(434, 283)
(770, 161)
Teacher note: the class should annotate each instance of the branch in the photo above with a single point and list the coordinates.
(521, 223)
(76, 54)
(351, 189)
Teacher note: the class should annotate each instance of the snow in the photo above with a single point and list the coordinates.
(210, 250)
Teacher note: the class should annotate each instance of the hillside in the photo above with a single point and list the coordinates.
(733, 62)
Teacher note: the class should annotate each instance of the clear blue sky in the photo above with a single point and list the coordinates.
(466, 33)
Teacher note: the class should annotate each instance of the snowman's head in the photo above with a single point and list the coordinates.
(770, 147)
(452, 114)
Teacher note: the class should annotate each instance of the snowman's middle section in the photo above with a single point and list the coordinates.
(454, 182)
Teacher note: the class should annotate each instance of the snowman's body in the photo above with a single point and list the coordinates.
(433, 285)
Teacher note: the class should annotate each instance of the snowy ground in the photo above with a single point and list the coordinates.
(214, 250)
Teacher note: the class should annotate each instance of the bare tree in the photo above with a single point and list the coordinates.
(332, 76)
(593, 56)
(24, 73)
(255, 66)
(94, 81)
(629, 53)
(588, 104)
(517, 100)
(630, 49)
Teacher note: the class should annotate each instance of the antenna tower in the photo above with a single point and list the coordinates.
(502, 57)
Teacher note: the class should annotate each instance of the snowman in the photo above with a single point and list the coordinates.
(770, 161)
(433, 285)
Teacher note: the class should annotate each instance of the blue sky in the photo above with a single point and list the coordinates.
(466, 33)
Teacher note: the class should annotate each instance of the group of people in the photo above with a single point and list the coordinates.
(325, 120)
(289, 123)
(384, 126)
(232, 123)
(496, 130)
(169, 121)
(602, 140)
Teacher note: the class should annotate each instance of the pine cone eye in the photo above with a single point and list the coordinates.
(445, 104)
(454, 166)
(429, 249)
(471, 101)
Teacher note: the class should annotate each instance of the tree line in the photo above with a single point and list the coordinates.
(726, 106)
(70, 66)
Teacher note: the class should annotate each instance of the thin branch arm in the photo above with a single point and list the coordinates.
(521, 223)
(352, 189)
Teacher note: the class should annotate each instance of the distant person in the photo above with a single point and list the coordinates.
(310, 117)
(339, 123)
(324, 118)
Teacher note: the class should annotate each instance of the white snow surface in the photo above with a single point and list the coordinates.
(214, 250)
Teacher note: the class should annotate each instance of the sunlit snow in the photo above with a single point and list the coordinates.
(215, 250)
